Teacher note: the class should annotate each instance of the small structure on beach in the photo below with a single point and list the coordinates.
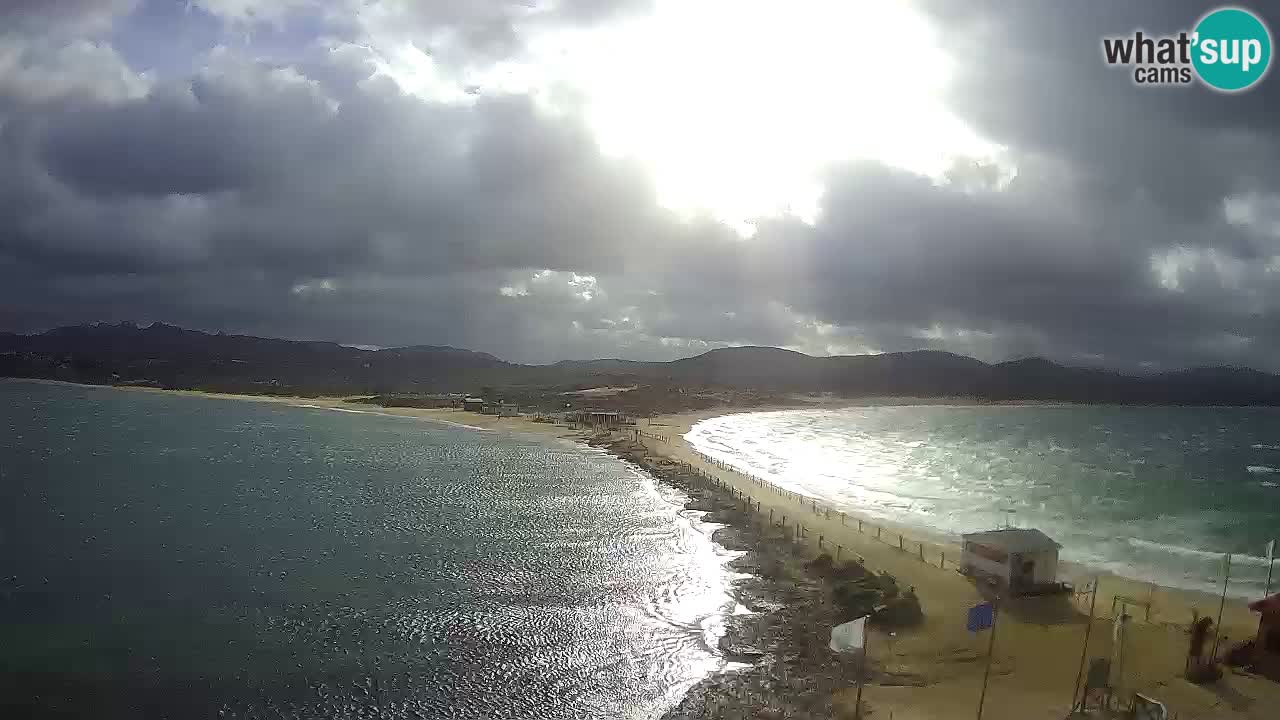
(501, 409)
(474, 404)
(1266, 646)
(599, 419)
(1023, 561)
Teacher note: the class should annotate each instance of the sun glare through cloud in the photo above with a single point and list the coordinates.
(736, 108)
(741, 117)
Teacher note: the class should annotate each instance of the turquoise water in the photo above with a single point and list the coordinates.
(185, 557)
(1152, 493)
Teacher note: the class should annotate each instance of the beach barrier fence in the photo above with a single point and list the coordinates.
(923, 551)
(928, 553)
(657, 437)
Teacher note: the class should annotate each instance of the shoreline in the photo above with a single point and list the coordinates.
(681, 424)
(784, 666)
(1038, 652)
(1036, 655)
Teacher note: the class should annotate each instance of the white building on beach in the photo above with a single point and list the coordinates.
(1021, 560)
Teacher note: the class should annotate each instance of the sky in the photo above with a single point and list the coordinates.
(647, 179)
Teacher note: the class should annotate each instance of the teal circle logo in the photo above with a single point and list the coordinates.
(1232, 49)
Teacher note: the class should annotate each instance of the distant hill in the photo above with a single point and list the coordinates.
(168, 356)
(173, 357)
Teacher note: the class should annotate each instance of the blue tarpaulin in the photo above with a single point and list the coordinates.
(981, 617)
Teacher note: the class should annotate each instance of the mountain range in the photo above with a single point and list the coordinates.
(172, 357)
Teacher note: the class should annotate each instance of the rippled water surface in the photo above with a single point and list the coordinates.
(1153, 493)
(201, 558)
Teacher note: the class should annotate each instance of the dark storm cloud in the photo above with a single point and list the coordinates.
(275, 170)
(1150, 171)
(252, 196)
(1031, 75)
(1031, 267)
(315, 199)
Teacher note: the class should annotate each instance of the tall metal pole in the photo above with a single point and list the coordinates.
(991, 646)
(862, 670)
(1122, 628)
(1271, 563)
(1084, 651)
(1217, 628)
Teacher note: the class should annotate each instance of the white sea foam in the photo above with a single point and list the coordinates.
(1236, 559)
(702, 612)
(1114, 500)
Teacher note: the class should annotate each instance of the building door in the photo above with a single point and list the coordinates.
(1022, 572)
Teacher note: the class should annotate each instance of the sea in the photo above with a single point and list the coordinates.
(173, 556)
(1159, 494)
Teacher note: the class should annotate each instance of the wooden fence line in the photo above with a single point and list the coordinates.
(798, 530)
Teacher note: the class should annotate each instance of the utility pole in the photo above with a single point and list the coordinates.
(991, 646)
(1121, 628)
(1271, 563)
(1084, 651)
(1217, 628)
(862, 671)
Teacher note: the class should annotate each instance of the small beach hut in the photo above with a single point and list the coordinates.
(599, 418)
(474, 404)
(1266, 647)
(1023, 561)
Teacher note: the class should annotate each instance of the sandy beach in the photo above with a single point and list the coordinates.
(1038, 643)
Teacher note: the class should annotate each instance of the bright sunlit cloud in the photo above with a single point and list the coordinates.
(736, 106)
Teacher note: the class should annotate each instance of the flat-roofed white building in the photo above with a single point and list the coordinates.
(1022, 560)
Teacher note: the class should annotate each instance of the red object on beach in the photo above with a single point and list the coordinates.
(1266, 645)
(1266, 605)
